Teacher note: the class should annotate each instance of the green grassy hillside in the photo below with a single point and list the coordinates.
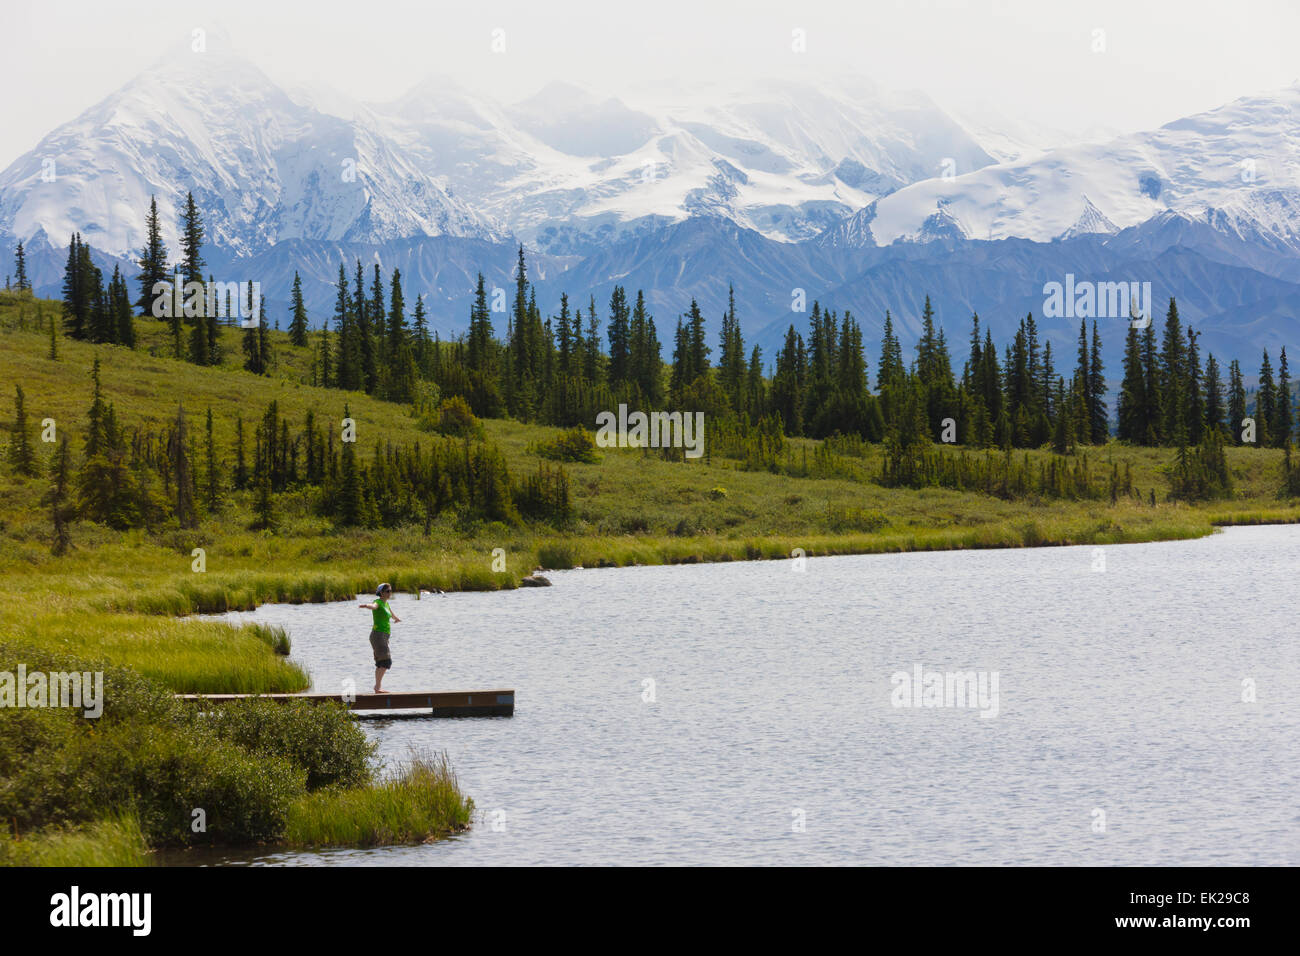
(631, 507)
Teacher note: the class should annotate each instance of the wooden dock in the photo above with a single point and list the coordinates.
(429, 703)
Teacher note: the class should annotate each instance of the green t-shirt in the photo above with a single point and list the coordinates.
(382, 615)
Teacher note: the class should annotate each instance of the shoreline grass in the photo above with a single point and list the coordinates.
(115, 841)
(420, 803)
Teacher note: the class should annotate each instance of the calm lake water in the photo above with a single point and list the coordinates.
(771, 733)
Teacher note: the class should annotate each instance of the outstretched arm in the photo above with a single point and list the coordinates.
(368, 607)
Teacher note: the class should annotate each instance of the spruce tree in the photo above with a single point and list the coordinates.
(369, 321)
(59, 499)
(1194, 390)
(264, 340)
(731, 354)
(152, 261)
(252, 346)
(350, 505)
(787, 398)
(398, 336)
(191, 241)
(1214, 400)
(480, 329)
(1151, 372)
(119, 307)
(21, 282)
(1236, 402)
(1131, 425)
(699, 350)
(1265, 404)
(1282, 424)
(420, 336)
(1174, 380)
(592, 356)
(298, 321)
(77, 291)
(619, 334)
(241, 466)
(346, 367)
(21, 454)
(1100, 427)
(212, 476)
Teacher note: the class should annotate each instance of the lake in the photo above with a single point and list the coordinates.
(1135, 704)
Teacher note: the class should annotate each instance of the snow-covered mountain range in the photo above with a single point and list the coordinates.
(1235, 168)
(262, 168)
(564, 170)
(861, 197)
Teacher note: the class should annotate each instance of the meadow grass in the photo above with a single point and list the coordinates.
(421, 802)
(115, 840)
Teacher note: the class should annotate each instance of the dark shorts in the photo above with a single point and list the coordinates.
(379, 644)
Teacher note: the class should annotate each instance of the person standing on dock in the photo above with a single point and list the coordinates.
(380, 632)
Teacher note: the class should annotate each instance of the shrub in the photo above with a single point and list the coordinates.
(323, 739)
(854, 519)
(455, 418)
(576, 444)
(165, 773)
(1201, 473)
(544, 496)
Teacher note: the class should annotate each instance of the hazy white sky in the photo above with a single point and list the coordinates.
(1029, 60)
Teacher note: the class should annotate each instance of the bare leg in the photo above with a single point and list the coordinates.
(379, 679)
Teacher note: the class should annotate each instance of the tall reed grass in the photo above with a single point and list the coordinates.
(421, 802)
(115, 840)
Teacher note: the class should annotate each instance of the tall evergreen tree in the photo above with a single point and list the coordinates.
(420, 336)
(398, 336)
(1132, 425)
(1173, 387)
(1195, 414)
(119, 307)
(192, 263)
(787, 384)
(592, 356)
(1214, 398)
(346, 370)
(731, 355)
(481, 333)
(1283, 418)
(1265, 403)
(59, 499)
(620, 338)
(1100, 427)
(22, 457)
(76, 291)
(298, 318)
(349, 501)
(1236, 402)
(21, 282)
(152, 261)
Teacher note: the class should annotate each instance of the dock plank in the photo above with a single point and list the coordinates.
(455, 703)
